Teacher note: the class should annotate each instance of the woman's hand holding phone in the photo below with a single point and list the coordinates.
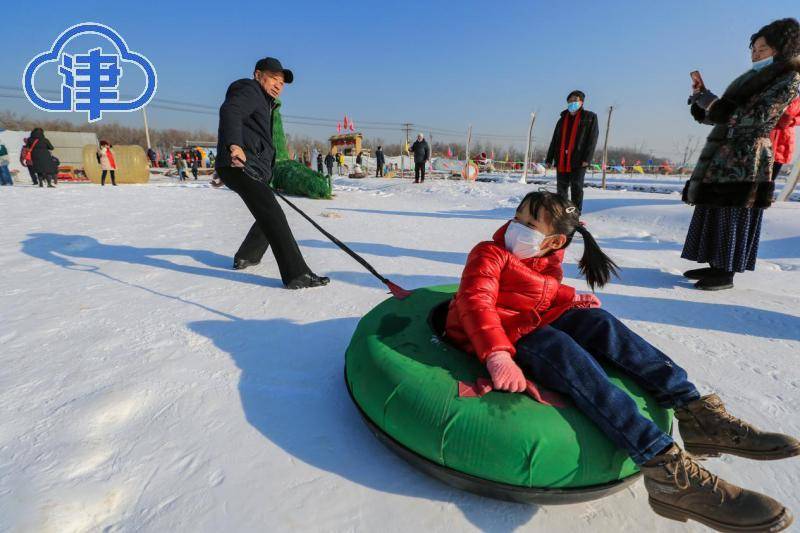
(697, 82)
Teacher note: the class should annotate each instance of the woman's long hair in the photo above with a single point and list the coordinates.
(595, 265)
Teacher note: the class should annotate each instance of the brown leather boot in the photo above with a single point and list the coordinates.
(680, 489)
(708, 429)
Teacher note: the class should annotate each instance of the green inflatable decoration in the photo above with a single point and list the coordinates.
(292, 177)
(278, 136)
(295, 178)
(404, 380)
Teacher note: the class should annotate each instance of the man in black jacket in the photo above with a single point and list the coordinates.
(422, 153)
(329, 160)
(572, 147)
(380, 161)
(245, 159)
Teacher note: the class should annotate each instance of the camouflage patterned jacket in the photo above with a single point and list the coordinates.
(735, 166)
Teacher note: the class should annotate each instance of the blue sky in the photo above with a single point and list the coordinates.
(441, 65)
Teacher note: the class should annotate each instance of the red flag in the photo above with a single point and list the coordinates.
(449, 153)
(623, 161)
(338, 127)
(352, 126)
(346, 122)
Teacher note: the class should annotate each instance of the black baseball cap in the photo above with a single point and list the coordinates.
(271, 64)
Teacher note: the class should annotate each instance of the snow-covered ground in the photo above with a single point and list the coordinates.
(144, 385)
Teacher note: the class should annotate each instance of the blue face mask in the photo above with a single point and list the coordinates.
(758, 65)
(573, 106)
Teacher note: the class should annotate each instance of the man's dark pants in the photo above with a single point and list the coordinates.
(572, 182)
(270, 226)
(419, 171)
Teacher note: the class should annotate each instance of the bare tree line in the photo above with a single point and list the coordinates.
(165, 139)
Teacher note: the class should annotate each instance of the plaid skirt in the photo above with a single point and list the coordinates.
(724, 237)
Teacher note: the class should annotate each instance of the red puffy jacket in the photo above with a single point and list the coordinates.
(782, 136)
(503, 298)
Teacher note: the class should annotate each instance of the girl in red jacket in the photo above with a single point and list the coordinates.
(782, 136)
(513, 313)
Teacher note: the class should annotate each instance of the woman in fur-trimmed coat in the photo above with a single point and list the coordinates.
(732, 182)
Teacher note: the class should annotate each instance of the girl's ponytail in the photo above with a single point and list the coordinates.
(595, 265)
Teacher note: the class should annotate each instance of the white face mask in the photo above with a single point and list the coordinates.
(522, 241)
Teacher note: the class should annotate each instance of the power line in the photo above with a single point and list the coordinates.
(302, 120)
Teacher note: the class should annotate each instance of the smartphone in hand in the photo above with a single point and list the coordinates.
(697, 81)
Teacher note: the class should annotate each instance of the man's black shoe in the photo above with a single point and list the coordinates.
(305, 281)
(241, 264)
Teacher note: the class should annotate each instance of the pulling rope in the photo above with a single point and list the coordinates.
(397, 291)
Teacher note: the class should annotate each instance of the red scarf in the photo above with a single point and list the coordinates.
(110, 156)
(565, 155)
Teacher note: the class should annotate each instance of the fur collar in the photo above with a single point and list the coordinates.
(753, 82)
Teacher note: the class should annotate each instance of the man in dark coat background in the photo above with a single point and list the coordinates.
(572, 147)
(245, 159)
(422, 153)
(380, 161)
(329, 160)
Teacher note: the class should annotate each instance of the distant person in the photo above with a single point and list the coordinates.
(152, 157)
(5, 174)
(380, 161)
(339, 163)
(329, 159)
(422, 153)
(194, 167)
(245, 162)
(180, 166)
(359, 158)
(105, 156)
(572, 147)
(211, 159)
(319, 162)
(732, 183)
(42, 161)
(782, 137)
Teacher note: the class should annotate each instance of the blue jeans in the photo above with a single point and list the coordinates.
(5, 176)
(563, 357)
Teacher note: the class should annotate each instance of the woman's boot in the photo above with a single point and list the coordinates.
(700, 273)
(716, 282)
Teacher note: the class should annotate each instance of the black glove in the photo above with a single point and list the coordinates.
(703, 99)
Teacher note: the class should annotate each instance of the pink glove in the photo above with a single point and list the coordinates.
(506, 375)
(585, 301)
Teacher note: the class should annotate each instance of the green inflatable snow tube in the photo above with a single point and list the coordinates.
(404, 380)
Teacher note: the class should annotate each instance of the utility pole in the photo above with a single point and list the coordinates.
(146, 130)
(466, 163)
(605, 147)
(524, 178)
(407, 127)
(469, 139)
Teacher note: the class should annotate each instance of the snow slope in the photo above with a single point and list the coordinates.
(145, 386)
